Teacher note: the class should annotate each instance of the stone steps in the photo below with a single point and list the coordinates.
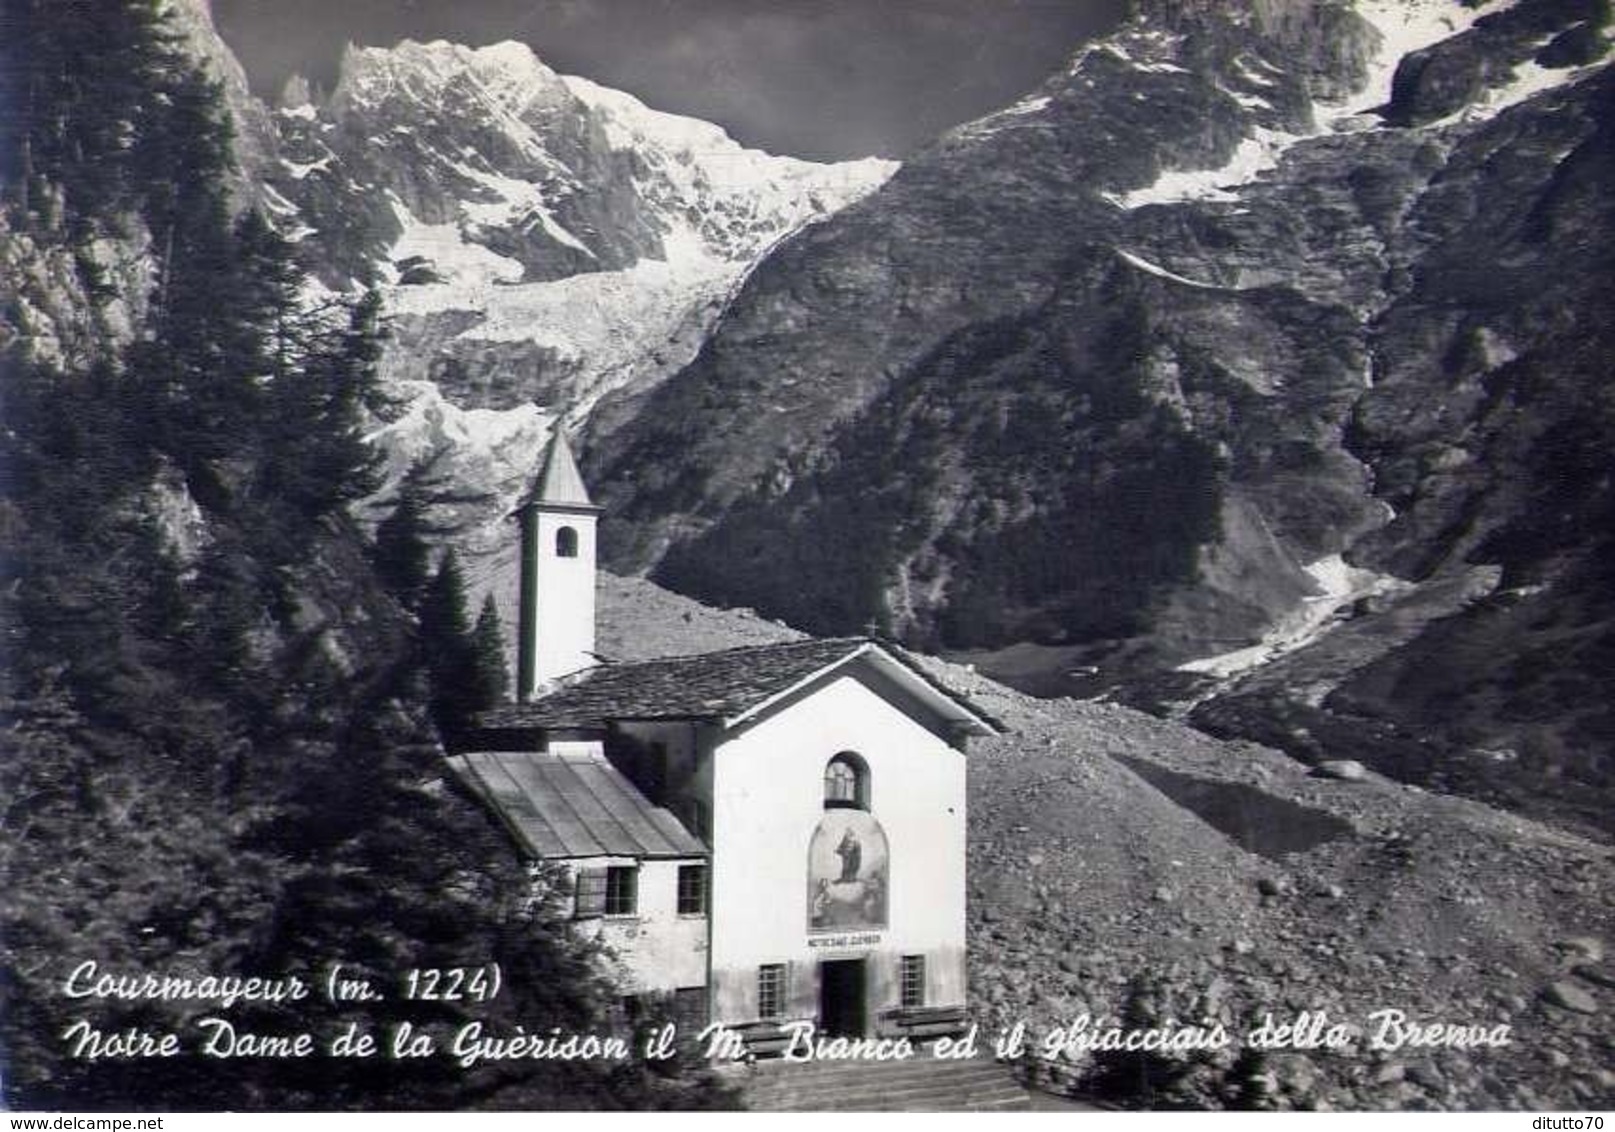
(922, 1084)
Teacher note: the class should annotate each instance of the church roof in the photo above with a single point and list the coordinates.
(572, 806)
(559, 483)
(730, 686)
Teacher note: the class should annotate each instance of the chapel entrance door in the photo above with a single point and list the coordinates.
(842, 994)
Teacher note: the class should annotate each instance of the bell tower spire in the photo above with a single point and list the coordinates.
(556, 624)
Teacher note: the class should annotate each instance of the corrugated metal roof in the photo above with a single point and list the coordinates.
(717, 685)
(570, 806)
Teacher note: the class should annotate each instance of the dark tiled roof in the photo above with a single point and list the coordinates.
(564, 806)
(714, 685)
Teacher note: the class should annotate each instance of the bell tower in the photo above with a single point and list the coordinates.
(556, 625)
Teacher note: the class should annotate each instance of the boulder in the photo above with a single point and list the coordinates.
(1601, 976)
(1568, 996)
(1582, 948)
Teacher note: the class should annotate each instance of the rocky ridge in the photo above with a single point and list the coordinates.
(1127, 865)
(1119, 369)
(1329, 298)
(1323, 291)
(539, 240)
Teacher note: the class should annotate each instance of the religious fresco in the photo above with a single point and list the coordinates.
(848, 872)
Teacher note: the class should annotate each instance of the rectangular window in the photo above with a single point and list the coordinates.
(622, 890)
(911, 980)
(589, 894)
(771, 990)
(692, 890)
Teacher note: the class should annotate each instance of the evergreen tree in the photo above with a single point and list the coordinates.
(269, 333)
(446, 643)
(206, 762)
(401, 553)
(1147, 1078)
(345, 381)
(321, 397)
(203, 358)
(488, 657)
(83, 85)
(443, 607)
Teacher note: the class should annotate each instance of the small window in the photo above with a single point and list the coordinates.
(692, 890)
(911, 980)
(589, 894)
(622, 891)
(846, 783)
(771, 990)
(566, 543)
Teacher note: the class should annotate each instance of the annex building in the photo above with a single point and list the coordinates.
(762, 835)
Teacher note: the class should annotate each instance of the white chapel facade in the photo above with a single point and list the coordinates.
(764, 835)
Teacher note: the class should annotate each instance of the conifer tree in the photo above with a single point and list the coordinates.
(82, 85)
(325, 381)
(202, 359)
(488, 656)
(443, 609)
(346, 380)
(188, 780)
(446, 643)
(401, 553)
(270, 332)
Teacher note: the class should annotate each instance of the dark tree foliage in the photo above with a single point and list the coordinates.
(464, 663)
(401, 554)
(488, 656)
(443, 611)
(317, 414)
(1144, 1079)
(215, 755)
(85, 87)
(269, 336)
(447, 649)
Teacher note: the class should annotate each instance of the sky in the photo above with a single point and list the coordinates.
(822, 79)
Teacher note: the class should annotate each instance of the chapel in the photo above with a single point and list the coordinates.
(764, 836)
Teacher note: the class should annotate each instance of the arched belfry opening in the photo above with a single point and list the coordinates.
(846, 782)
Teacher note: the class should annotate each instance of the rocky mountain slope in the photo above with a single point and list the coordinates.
(1248, 369)
(1115, 374)
(1127, 866)
(239, 780)
(539, 239)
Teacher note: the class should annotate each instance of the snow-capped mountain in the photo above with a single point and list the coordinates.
(540, 242)
(540, 239)
(483, 165)
(1261, 343)
(1108, 379)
